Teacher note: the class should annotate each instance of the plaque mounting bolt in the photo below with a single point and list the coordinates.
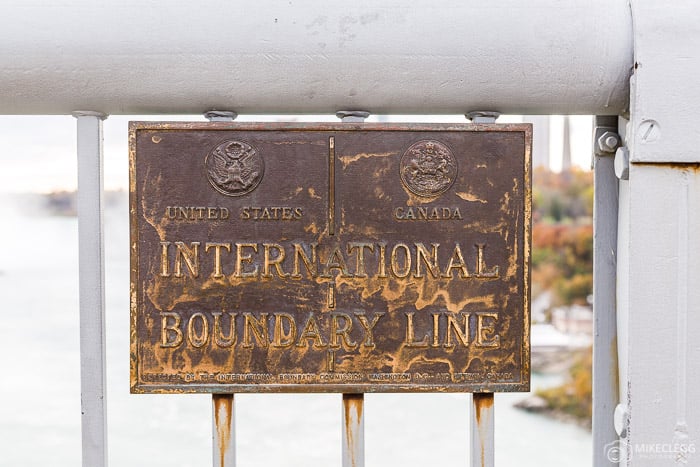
(220, 115)
(483, 116)
(352, 116)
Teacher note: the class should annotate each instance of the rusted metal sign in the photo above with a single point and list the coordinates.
(329, 257)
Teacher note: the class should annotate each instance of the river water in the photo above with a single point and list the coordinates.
(40, 385)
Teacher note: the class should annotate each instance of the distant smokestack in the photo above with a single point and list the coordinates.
(540, 139)
(566, 150)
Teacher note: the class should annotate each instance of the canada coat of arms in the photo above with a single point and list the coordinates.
(428, 168)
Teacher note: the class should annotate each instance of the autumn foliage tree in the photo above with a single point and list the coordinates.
(562, 262)
(562, 235)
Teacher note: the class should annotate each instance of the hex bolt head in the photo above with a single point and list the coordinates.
(608, 142)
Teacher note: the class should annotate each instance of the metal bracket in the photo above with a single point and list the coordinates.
(606, 140)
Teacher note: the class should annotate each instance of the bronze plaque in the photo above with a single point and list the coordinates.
(329, 257)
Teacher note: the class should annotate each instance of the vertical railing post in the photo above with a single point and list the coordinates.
(92, 300)
(481, 425)
(481, 431)
(353, 404)
(223, 405)
(223, 429)
(605, 211)
(353, 430)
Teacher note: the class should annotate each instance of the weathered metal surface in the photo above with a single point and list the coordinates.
(336, 257)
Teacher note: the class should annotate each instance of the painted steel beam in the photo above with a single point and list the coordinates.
(147, 57)
(664, 95)
(658, 252)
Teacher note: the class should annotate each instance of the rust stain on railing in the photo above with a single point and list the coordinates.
(223, 415)
(482, 402)
(483, 415)
(353, 406)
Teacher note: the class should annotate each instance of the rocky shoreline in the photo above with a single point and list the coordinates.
(539, 405)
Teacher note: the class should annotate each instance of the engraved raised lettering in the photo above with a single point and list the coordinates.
(453, 325)
(309, 262)
(311, 331)
(198, 339)
(164, 263)
(481, 268)
(336, 260)
(368, 328)
(196, 213)
(282, 338)
(243, 258)
(382, 260)
(276, 261)
(258, 328)
(431, 264)
(219, 338)
(486, 330)
(406, 263)
(360, 256)
(411, 334)
(273, 260)
(170, 330)
(342, 332)
(459, 264)
(436, 329)
(218, 273)
(190, 255)
(427, 213)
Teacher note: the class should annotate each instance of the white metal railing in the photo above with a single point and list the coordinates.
(92, 328)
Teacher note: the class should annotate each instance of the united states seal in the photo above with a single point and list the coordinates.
(234, 168)
(428, 168)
